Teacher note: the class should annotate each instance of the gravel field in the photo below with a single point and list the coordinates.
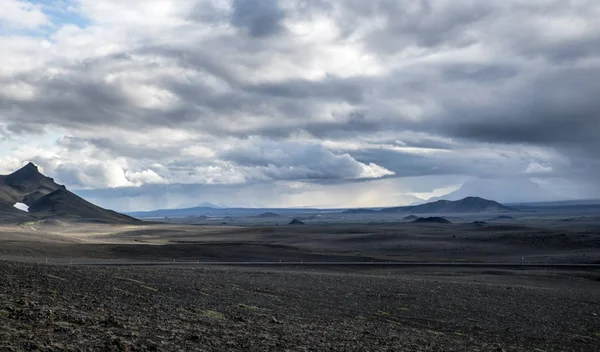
(70, 308)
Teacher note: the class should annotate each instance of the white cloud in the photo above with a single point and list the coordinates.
(21, 14)
(145, 177)
(534, 168)
(374, 171)
(93, 174)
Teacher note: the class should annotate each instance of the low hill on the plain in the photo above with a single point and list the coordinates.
(268, 214)
(501, 217)
(465, 205)
(432, 220)
(44, 199)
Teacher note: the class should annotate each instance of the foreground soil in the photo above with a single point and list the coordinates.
(69, 308)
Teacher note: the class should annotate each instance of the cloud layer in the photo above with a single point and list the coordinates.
(201, 92)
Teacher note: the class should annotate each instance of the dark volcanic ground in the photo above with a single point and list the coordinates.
(535, 242)
(69, 308)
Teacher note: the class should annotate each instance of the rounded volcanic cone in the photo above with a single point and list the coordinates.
(296, 222)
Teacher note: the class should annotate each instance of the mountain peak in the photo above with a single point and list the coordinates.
(29, 168)
(30, 165)
(26, 172)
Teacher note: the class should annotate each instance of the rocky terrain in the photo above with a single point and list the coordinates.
(70, 308)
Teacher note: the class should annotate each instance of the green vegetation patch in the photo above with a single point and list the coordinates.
(213, 314)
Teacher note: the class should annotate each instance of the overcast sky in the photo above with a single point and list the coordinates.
(148, 104)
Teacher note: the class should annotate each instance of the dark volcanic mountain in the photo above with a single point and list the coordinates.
(466, 205)
(47, 199)
(25, 184)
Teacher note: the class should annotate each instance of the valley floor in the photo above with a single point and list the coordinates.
(70, 308)
(531, 241)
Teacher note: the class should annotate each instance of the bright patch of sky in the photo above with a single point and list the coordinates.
(39, 18)
(12, 142)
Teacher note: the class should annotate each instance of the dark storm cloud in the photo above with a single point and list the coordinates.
(559, 108)
(69, 100)
(406, 164)
(332, 88)
(426, 24)
(344, 125)
(260, 18)
(563, 52)
(118, 148)
(479, 72)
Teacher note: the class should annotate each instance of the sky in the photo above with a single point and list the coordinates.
(140, 105)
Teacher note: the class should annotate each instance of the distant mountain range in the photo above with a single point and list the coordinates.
(44, 198)
(221, 212)
(465, 205)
